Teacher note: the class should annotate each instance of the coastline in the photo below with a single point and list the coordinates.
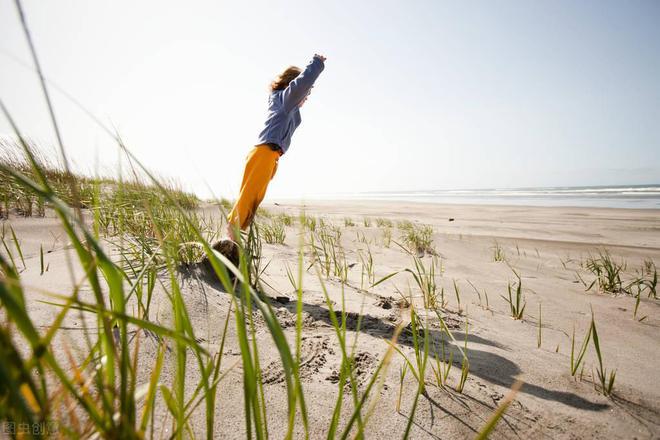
(645, 196)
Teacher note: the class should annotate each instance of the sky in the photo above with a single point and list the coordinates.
(416, 95)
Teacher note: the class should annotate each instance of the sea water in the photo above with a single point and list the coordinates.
(624, 196)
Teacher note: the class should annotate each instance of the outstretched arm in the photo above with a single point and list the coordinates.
(301, 85)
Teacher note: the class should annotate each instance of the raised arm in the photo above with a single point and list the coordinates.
(301, 85)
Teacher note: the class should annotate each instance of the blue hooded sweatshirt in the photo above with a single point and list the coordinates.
(283, 115)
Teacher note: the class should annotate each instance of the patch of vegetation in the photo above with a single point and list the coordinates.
(607, 271)
(498, 252)
(286, 219)
(418, 239)
(273, 232)
(383, 222)
(328, 253)
(387, 236)
(515, 299)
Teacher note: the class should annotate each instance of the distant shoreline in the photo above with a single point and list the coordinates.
(618, 197)
(399, 202)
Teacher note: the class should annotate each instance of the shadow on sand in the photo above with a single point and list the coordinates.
(491, 367)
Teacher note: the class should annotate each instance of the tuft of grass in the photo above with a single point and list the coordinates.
(286, 219)
(418, 239)
(425, 279)
(465, 363)
(348, 222)
(308, 222)
(479, 296)
(498, 252)
(606, 381)
(361, 238)
(649, 280)
(367, 268)
(387, 236)
(607, 271)
(383, 222)
(274, 233)
(326, 249)
(576, 360)
(150, 225)
(253, 250)
(75, 190)
(367, 222)
(458, 297)
(515, 300)
(263, 212)
(418, 368)
(638, 298)
(442, 364)
(609, 276)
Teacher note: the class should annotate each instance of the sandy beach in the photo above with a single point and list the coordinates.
(329, 220)
(546, 246)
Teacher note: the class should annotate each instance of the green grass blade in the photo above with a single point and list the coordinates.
(488, 428)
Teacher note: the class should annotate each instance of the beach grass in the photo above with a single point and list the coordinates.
(417, 238)
(605, 380)
(516, 301)
(383, 222)
(576, 359)
(498, 252)
(607, 271)
(274, 232)
(386, 236)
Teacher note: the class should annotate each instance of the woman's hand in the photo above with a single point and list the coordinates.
(320, 57)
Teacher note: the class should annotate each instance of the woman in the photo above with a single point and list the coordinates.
(289, 91)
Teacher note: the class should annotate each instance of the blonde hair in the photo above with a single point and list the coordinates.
(283, 79)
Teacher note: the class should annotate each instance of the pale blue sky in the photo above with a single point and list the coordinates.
(415, 95)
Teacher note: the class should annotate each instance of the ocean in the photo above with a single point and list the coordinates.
(624, 196)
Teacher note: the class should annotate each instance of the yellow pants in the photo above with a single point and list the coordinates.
(260, 168)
